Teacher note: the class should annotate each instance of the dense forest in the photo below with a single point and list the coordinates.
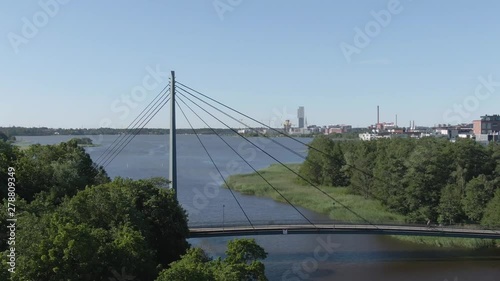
(75, 223)
(423, 179)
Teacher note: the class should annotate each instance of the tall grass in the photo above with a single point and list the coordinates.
(310, 198)
(450, 242)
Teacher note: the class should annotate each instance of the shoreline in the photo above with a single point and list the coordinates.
(310, 198)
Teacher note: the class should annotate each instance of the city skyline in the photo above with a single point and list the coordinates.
(277, 122)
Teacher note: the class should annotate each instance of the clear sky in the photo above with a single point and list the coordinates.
(71, 64)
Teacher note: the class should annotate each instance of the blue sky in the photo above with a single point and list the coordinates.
(264, 58)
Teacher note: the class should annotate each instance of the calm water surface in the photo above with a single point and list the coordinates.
(291, 257)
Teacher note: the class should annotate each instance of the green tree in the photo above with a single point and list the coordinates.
(193, 266)
(242, 263)
(124, 224)
(360, 161)
(163, 214)
(478, 192)
(8, 158)
(333, 167)
(312, 168)
(3, 137)
(82, 141)
(244, 256)
(4, 267)
(56, 249)
(60, 170)
(491, 217)
(494, 151)
(473, 157)
(450, 207)
(428, 172)
(390, 169)
(145, 204)
(325, 163)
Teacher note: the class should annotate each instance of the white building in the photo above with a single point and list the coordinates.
(367, 136)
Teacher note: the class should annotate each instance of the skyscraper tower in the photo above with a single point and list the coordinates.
(301, 116)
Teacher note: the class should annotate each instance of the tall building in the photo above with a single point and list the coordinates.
(489, 124)
(301, 116)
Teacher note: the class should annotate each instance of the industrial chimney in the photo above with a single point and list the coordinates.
(378, 115)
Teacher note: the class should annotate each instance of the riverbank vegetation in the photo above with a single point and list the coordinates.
(11, 132)
(425, 179)
(75, 223)
(242, 262)
(44, 131)
(89, 132)
(6, 138)
(393, 180)
(285, 181)
(84, 142)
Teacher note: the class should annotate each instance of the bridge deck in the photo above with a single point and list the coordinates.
(342, 229)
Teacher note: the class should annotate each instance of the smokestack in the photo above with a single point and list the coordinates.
(396, 120)
(378, 115)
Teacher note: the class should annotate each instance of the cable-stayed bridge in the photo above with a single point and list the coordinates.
(186, 99)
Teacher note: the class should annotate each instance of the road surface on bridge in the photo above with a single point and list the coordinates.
(373, 229)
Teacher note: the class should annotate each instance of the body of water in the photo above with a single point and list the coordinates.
(291, 257)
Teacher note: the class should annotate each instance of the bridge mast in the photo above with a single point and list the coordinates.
(173, 141)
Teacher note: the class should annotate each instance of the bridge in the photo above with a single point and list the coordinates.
(290, 228)
(189, 98)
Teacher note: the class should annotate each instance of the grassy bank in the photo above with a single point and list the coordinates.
(445, 242)
(310, 198)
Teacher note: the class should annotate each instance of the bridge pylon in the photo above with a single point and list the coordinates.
(173, 138)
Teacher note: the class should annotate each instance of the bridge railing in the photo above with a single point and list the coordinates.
(322, 223)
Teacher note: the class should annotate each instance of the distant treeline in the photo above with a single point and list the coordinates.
(11, 132)
(426, 179)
